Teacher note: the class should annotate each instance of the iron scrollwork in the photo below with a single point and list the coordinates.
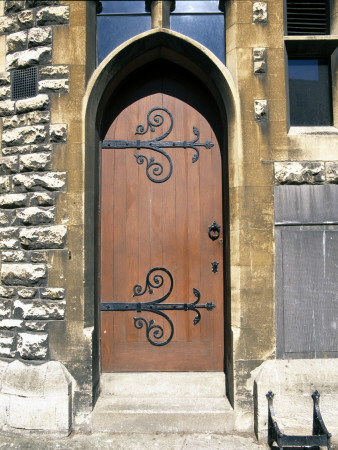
(154, 169)
(155, 280)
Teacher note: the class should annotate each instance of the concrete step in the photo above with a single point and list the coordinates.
(163, 402)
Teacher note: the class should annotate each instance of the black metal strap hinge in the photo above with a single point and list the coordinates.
(155, 279)
(155, 170)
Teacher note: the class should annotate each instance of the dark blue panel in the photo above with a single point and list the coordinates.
(196, 6)
(206, 29)
(114, 30)
(310, 96)
(303, 69)
(123, 7)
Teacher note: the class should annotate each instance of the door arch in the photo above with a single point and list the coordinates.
(157, 204)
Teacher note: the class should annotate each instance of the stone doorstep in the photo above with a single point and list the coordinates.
(166, 415)
(163, 402)
(164, 384)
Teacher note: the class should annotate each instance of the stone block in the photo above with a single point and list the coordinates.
(53, 293)
(39, 257)
(24, 135)
(5, 93)
(14, 121)
(259, 53)
(331, 170)
(9, 238)
(23, 274)
(58, 133)
(259, 60)
(299, 172)
(38, 117)
(6, 217)
(41, 148)
(36, 326)
(6, 292)
(43, 237)
(8, 24)
(5, 185)
(9, 164)
(24, 380)
(39, 36)
(27, 293)
(16, 42)
(26, 19)
(35, 216)
(259, 12)
(34, 3)
(13, 200)
(5, 309)
(7, 108)
(12, 6)
(32, 345)
(28, 58)
(40, 397)
(7, 344)
(57, 72)
(13, 256)
(259, 67)
(39, 310)
(11, 324)
(52, 181)
(35, 162)
(42, 199)
(24, 149)
(3, 368)
(40, 102)
(53, 15)
(261, 110)
(5, 78)
(54, 86)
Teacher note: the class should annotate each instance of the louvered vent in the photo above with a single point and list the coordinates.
(24, 83)
(308, 17)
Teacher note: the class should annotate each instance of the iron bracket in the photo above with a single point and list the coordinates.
(320, 436)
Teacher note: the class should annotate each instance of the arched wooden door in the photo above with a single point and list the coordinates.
(161, 190)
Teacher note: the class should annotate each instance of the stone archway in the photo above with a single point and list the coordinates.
(152, 45)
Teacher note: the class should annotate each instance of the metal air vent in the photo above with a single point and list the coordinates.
(24, 83)
(308, 17)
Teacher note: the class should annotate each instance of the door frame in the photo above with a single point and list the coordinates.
(138, 51)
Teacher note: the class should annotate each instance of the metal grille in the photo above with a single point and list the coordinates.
(308, 17)
(24, 83)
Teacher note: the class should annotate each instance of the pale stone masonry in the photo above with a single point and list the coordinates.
(28, 184)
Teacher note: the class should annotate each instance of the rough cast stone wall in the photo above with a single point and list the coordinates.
(29, 186)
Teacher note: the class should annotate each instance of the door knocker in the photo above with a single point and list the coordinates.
(214, 231)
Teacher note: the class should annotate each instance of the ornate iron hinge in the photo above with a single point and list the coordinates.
(154, 169)
(156, 280)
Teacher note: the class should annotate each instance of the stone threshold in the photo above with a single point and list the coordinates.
(163, 402)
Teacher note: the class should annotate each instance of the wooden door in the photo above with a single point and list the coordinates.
(155, 214)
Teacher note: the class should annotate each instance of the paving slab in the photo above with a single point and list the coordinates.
(132, 441)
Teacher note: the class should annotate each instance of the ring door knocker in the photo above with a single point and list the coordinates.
(214, 231)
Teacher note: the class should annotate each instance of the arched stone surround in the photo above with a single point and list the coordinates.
(132, 55)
